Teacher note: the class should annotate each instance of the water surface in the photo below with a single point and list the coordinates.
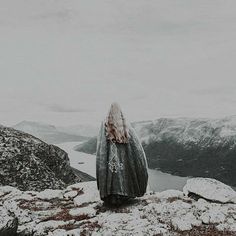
(158, 180)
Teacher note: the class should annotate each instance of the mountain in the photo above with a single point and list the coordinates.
(78, 210)
(187, 146)
(47, 133)
(88, 146)
(81, 130)
(28, 163)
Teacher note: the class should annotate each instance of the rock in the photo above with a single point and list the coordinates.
(229, 227)
(4, 190)
(202, 204)
(170, 194)
(216, 213)
(216, 217)
(185, 221)
(54, 215)
(62, 232)
(28, 163)
(8, 223)
(9, 192)
(210, 189)
(51, 225)
(23, 216)
(70, 194)
(205, 218)
(90, 192)
(181, 224)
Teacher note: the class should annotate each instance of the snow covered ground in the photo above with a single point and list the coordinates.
(78, 210)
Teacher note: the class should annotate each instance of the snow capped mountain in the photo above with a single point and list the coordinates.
(188, 130)
(37, 129)
(48, 133)
(192, 147)
(28, 163)
(32, 126)
(187, 146)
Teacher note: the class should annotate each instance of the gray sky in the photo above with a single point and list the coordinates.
(64, 62)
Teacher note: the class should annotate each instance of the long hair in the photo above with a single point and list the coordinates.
(115, 124)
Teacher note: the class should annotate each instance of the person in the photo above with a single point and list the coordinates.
(121, 165)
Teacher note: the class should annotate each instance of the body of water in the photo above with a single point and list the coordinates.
(158, 181)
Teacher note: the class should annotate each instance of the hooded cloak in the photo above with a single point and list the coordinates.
(121, 168)
(116, 128)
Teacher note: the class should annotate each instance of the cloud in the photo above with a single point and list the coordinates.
(221, 90)
(63, 108)
(54, 15)
(156, 58)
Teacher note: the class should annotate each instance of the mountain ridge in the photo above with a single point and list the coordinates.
(187, 146)
(48, 133)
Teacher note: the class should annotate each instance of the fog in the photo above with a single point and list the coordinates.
(64, 62)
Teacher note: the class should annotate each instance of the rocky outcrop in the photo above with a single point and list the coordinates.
(8, 223)
(28, 163)
(78, 210)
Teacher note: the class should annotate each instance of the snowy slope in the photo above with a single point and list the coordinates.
(189, 130)
(201, 131)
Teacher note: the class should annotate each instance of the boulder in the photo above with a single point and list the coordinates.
(210, 189)
(28, 163)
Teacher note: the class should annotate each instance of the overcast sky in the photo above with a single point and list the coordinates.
(64, 62)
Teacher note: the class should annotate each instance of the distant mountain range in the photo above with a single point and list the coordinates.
(81, 130)
(52, 134)
(187, 146)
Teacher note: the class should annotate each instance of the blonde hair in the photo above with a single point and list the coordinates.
(115, 124)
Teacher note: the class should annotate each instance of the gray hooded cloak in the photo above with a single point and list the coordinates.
(121, 168)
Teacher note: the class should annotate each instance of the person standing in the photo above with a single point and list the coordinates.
(121, 165)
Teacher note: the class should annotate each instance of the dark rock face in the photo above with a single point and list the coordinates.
(187, 147)
(10, 229)
(30, 164)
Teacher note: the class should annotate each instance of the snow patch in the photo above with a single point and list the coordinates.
(49, 194)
